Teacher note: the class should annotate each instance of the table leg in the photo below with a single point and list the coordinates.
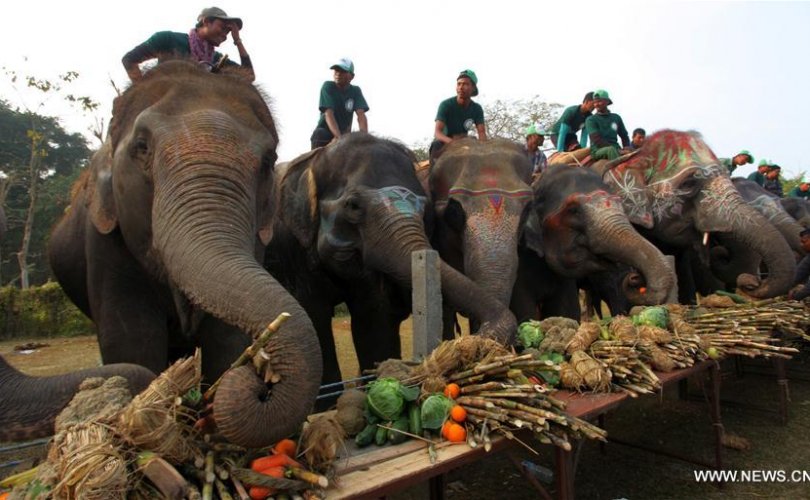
(564, 473)
(784, 394)
(436, 486)
(601, 423)
(714, 409)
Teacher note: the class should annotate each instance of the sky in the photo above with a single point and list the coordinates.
(734, 71)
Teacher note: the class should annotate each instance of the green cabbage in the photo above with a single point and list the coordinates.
(552, 378)
(385, 398)
(652, 316)
(530, 334)
(435, 410)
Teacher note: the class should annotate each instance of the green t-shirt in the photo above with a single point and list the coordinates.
(457, 119)
(573, 117)
(757, 177)
(798, 193)
(343, 103)
(608, 126)
(165, 45)
(730, 166)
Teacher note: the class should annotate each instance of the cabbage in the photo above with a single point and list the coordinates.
(652, 316)
(552, 378)
(435, 410)
(530, 334)
(386, 398)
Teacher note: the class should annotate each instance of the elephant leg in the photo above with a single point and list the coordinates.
(221, 344)
(687, 289)
(563, 301)
(449, 320)
(375, 328)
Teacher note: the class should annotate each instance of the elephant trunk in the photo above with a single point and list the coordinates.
(206, 237)
(611, 235)
(490, 256)
(789, 229)
(720, 205)
(389, 247)
(31, 404)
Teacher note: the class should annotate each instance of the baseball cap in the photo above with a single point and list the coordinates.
(602, 94)
(748, 154)
(473, 78)
(217, 13)
(534, 130)
(345, 64)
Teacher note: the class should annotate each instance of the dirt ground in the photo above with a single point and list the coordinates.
(662, 421)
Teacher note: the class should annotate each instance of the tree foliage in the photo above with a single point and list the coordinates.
(509, 119)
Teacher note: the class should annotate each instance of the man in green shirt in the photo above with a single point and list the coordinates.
(212, 28)
(800, 191)
(604, 128)
(571, 121)
(741, 158)
(459, 115)
(759, 175)
(339, 101)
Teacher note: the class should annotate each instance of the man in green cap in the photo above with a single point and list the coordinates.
(339, 101)
(458, 116)
(563, 133)
(741, 158)
(759, 175)
(212, 28)
(604, 128)
(800, 191)
(534, 139)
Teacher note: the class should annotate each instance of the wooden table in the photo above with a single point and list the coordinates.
(374, 472)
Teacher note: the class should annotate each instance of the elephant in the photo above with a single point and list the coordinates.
(163, 242)
(351, 215)
(578, 229)
(770, 207)
(798, 208)
(23, 412)
(675, 189)
(481, 195)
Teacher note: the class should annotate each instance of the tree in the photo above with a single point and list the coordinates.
(36, 149)
(508, 119)
(788, 184)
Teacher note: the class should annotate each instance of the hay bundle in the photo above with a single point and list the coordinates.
(321, 440)
(654, 334)
(453, 355)
(558, 333)
(394, 368)
(622, 328)
(680, 327)
(717, 301)
(593, 373)
(659, 359)
(586, 335)
(350, 410)
(89, 463)
(154, 419)
(676, 309)
(570, 378)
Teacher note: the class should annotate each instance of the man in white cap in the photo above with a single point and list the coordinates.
(212, 28)
(339, 101)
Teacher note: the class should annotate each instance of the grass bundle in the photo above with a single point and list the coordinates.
(321, 440)
(587, 333)
(452, 355)
(558, 333)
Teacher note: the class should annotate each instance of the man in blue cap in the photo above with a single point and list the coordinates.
(459, 115)
(604, 128)
(339, 101)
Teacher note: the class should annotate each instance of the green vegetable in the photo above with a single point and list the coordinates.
(381, 436)
(366, 436)
(386, 398)
(530, 334)
(552, 378)
(652, 316)
(435, 410)
(401, 425)
(415, 419)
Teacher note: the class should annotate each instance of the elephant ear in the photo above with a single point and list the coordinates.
(533, 233)
(298, 198)
(98, 188)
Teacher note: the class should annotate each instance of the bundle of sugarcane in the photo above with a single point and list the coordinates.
(625, 360)
(498, 396)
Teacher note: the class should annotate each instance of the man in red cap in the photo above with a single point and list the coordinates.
(212, 28)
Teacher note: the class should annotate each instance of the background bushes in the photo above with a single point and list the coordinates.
(43, 311)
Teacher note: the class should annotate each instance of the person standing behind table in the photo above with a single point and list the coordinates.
(339, 101)
(741, 158)
(212, 28)
(759, 175)
(772, 183)
(534, 139)
(604, 128)
(637, 139)
(800, 191)
(569, 123)
(458, 115)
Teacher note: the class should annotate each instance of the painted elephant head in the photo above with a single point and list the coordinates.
(481, 195)
(180, 204)
(358, 205)
(768, 205)
(676, 187)
(580, 229)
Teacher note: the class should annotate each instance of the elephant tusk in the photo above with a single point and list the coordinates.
(705, 238)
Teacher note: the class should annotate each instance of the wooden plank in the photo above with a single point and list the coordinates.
(427, 302)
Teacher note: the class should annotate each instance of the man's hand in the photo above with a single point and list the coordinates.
(234, 32)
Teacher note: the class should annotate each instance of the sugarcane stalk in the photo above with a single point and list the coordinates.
(248, 476)
(310, 477)
(222, 490)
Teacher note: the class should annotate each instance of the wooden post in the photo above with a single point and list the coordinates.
(672, 298)
(427, 302)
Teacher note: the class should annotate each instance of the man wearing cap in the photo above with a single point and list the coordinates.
(212, 28)
(534, 139)
(772, 183)
(339, 101)
(741, 158)
(459, 115)
(604, 127)
(800, 191)
(569, 123)
(759, 175)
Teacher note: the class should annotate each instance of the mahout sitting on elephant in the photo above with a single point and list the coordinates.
(351, 215)
(163, 241)
(576, 229)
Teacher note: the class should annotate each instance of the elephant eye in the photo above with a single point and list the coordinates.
(353, 210)
(140, 148)
(268, 162)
